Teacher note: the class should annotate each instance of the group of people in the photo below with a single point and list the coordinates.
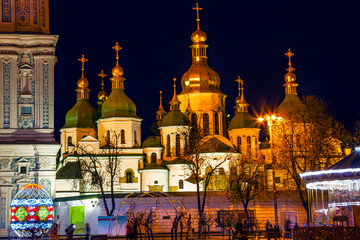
(131, 231)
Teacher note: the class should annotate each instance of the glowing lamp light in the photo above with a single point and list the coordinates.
(357, 148)
(268, 118)
(31, 211)
(273, 117)
(260, 119)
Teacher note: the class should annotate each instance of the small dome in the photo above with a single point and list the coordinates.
(242, 120)
(102, 96)
(152, 142)
(198, 36)
(117, 71)
(290, 77)
(82, 115)
(175, 118)
(82, 82)
(154, 129)
(118, 105)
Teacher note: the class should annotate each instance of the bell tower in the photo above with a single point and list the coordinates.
(27, 58)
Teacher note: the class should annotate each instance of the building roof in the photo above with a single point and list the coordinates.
(177, 161)
(175, 118)
(154, 166)
(151, 142)
(350, 161)
(71, 170)
(82, 115)
(242, 120)
(216, 143)
(118, 105)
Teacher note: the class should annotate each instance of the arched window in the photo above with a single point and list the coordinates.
(153, 157)
(221, 171)
(216, 123)
(168, 145)
(135, 137)
(129, 174)
(181, 184)
(238, 144)
(206, 123)
(122, 136)
(69, 141)
(156, 182)
(107, 136)
(248, 141)
(194, 120)
(177, 145)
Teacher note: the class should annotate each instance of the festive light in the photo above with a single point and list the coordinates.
(31, 211)
(302, 175)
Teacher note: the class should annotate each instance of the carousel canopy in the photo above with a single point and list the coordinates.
(343, 174)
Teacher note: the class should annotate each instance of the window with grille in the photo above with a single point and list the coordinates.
(129, 174)
(122, 136)
(238, 144)
(168, 145)
(177, 145)
(153, 158)
(181, 184)
(216, 123)
(194, 120)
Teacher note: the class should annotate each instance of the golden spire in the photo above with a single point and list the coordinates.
(160, 112)
(102, 96)
(289, 54)
(117, 71)
(174, 103)
(290, 77)
(82, 83)
(241, 104)
(197, 8)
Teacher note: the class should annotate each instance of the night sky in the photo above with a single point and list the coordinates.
(246, 38)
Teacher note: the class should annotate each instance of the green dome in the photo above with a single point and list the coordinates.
(154, 129)
(151, 142)
(242, 120)
(82, 115)
(175, 118)
(118, 105)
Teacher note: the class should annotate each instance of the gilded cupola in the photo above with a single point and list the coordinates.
(200, 77)
(82, 115)
(118, 104)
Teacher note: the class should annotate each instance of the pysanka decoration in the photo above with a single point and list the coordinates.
(32, 211)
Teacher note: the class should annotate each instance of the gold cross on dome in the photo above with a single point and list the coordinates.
(82, 60)
(197, 8)
(117, 48)
(102, 75)
(240, 82)
(290, 54)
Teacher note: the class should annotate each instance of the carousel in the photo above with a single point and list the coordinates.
(334, 193)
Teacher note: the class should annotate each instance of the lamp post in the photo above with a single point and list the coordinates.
(270, 122)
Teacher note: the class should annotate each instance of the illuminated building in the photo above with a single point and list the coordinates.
(27, 58)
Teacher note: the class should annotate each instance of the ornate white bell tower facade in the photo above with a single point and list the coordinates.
(27, 58)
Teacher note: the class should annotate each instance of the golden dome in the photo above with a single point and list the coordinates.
(102, 96)
(82, 83)
(290, 77)
(198, 36)
(117, 71)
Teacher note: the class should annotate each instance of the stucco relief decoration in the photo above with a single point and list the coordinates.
(6, 93)
(4, 163)
(6, 10)
(45, 163)
(22, 12)
(46, 184)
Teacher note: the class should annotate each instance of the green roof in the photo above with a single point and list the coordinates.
(154, 129)
(178, 160)
(82, 115)
(154, 166)
(71, 170)
(152, 142)
(118, 105)
(175, 118)
(290, 104)
(242, 120)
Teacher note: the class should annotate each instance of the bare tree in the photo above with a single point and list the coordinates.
(101, 170)
(307, 138)
(202, 165)
(247, 180)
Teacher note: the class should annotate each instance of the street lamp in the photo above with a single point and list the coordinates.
(270, 122)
